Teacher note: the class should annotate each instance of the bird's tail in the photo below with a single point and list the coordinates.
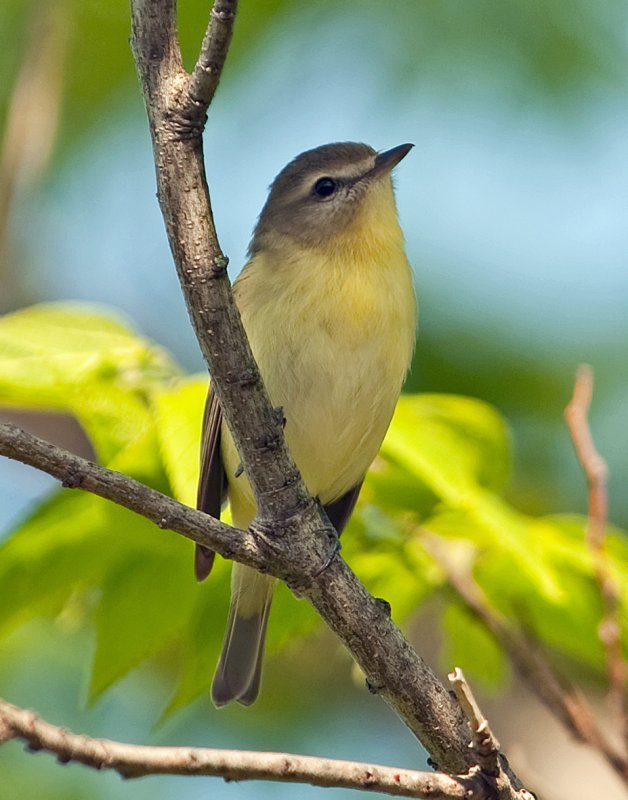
(239, 669)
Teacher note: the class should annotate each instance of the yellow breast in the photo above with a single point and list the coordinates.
(333, 334)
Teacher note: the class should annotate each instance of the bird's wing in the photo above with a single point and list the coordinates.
(212, 484)
(340, 510)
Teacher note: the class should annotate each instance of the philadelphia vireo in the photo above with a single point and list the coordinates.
(328, 305)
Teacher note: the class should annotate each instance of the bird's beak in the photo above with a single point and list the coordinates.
(384, 162)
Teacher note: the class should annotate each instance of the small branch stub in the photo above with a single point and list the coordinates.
(490, 763)
(485, 743)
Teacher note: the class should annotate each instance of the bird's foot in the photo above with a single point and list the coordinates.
(334, 549)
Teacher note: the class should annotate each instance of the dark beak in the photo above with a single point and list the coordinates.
(385, 161)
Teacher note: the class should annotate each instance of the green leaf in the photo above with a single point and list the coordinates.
(452, 444)
(565, 622)
(112, 418)
(145, 605)
(78, 360)
(445, 459)
(392, 565)
(64, 548)
(139, 458)
(291, 620)
(179, 416)
(67, 545)
(500, 531)
(200, 644)
(458, 448)
(51, 346)
(438, 449)
(471, 647)
(572, 627)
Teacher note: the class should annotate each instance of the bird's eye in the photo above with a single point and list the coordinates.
(325, 187)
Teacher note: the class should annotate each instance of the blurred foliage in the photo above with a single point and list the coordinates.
(554, 46)
(441, 472)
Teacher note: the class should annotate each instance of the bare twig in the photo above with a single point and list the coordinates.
(492, 765)
(485, 743)
(6, 733)
(75, 472)
(208, 69)
(595, 471)
(135, 761)
(565, 701)
(592, 463)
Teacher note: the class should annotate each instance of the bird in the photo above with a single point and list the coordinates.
(328, 304)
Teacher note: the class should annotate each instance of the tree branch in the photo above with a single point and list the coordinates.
(75, 472)
(289, 523)
(204, 79)
(485, 743)
(176, 124)
(32, 115)
(595, 472)
(135, 761)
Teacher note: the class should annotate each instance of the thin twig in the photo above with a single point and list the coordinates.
(75, 472)
(596, 472)
(135, 761)
(485, 745)
(208, 69)
(565, 701)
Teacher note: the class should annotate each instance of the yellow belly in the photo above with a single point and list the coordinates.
(333, 342)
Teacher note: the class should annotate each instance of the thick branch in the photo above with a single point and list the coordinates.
(288, 519)
(135, 761)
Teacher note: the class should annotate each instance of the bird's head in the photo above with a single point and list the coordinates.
(331, 196)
